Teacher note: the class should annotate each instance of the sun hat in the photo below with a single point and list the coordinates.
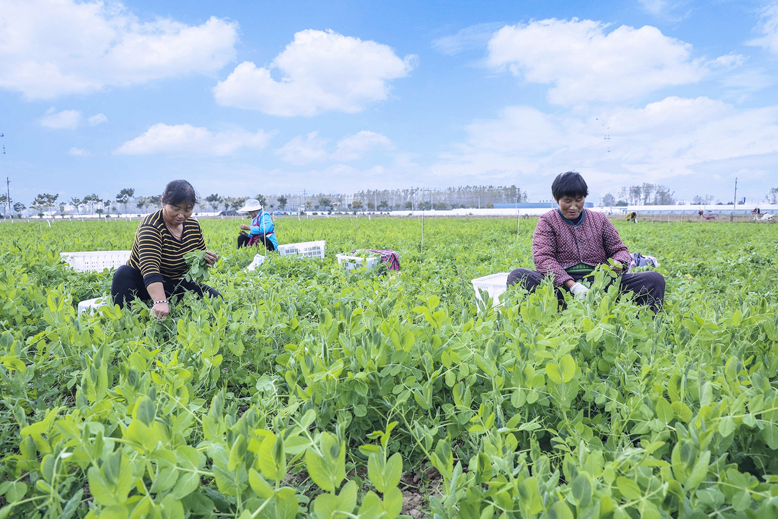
(250, 205)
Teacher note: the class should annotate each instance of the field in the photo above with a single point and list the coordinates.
(311, 392)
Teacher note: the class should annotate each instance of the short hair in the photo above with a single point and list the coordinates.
(179, 192)
(569, 184)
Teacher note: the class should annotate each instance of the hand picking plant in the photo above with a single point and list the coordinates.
(198, 266)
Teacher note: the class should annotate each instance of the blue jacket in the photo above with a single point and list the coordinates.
(263, 224)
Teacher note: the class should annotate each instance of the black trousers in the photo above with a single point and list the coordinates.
(243, 240)
(648, 287)
(128, 284)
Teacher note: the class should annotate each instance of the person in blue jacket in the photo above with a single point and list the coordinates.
(261, 230)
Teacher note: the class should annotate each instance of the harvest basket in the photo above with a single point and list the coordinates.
(356, 262)
(494, 285)
(258, 260)
(90, 305)
(95, 261)
(306, 249)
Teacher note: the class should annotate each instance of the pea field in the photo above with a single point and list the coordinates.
(309, 391)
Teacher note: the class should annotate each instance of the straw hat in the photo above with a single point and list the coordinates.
(250, 205)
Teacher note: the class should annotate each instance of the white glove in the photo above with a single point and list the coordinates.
(579, 291)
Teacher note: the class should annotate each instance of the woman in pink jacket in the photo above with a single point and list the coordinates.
(569, 242)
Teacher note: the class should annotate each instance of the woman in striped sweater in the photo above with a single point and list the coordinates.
(570, 242)
(156, 268)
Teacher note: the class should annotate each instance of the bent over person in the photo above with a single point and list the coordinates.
(570, 242)
(156, 268)
(262, 229)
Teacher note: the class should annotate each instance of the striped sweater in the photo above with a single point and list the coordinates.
(558, 244)
(157, 254)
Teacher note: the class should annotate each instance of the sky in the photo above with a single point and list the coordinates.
(247, 97)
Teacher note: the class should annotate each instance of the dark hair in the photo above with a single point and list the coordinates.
(569, 184)
(179, 192)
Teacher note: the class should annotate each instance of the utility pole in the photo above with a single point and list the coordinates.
(734, 206)
(8, 194)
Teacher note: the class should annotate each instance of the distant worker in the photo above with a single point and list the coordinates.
(261, 230)
(156, 268)
(632, 216)
(570, 242)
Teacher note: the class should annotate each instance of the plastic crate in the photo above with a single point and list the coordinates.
(355, 262)
(95, 261)
(258, 260)
(90, 305)
(306, 249)
(494, 285)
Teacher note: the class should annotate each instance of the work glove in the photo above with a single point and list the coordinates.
(579, 291)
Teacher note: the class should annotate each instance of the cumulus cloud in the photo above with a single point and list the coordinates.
(64, 120)
(50, 48)
(675, 137)
(585, 63)
(79, 152)
(312, 148)
(356, 146)
(68, 119)
(97, 119)
(768, 27)
(184, 138)
(320, 71)
(301, 150)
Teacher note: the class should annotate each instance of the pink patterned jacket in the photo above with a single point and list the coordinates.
(557, 245)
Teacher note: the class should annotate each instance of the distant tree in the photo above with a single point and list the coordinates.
(214, 200)
(608, 200)
(76, 202)
(663, 196)
(238, 202)
(282, 201)
(383, 205)
(90, 201)
(371, 206)
(261, 199)
(5, 202)
(308, 204)
(62, 207)
(155, 200)
(356, 205)
(409, 205)
(325, 202)
(699, 200)
(44, 201)
(772, 196)
(124, 196)
(19, 207)
(141, 202)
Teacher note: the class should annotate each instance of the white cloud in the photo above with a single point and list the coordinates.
(50, 48)
(768, 26)
(320, 71)
(79, 152)
(584, 63)
(64, 120)
(312, 148)
(301, 150)
(473, 37)
(97, 119)
(356, 146)
(675, 137)
(184, 138)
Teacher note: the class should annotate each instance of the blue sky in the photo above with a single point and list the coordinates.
(247, 97)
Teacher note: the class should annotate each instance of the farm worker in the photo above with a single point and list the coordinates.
(156, 268)
(632, 216)
(569, 242)
(261, 230)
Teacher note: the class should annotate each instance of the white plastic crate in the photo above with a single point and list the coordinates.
(306, 249)
(355, 262)
(258, 260)
(494, 284)
(95, 261)
(90, 305)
